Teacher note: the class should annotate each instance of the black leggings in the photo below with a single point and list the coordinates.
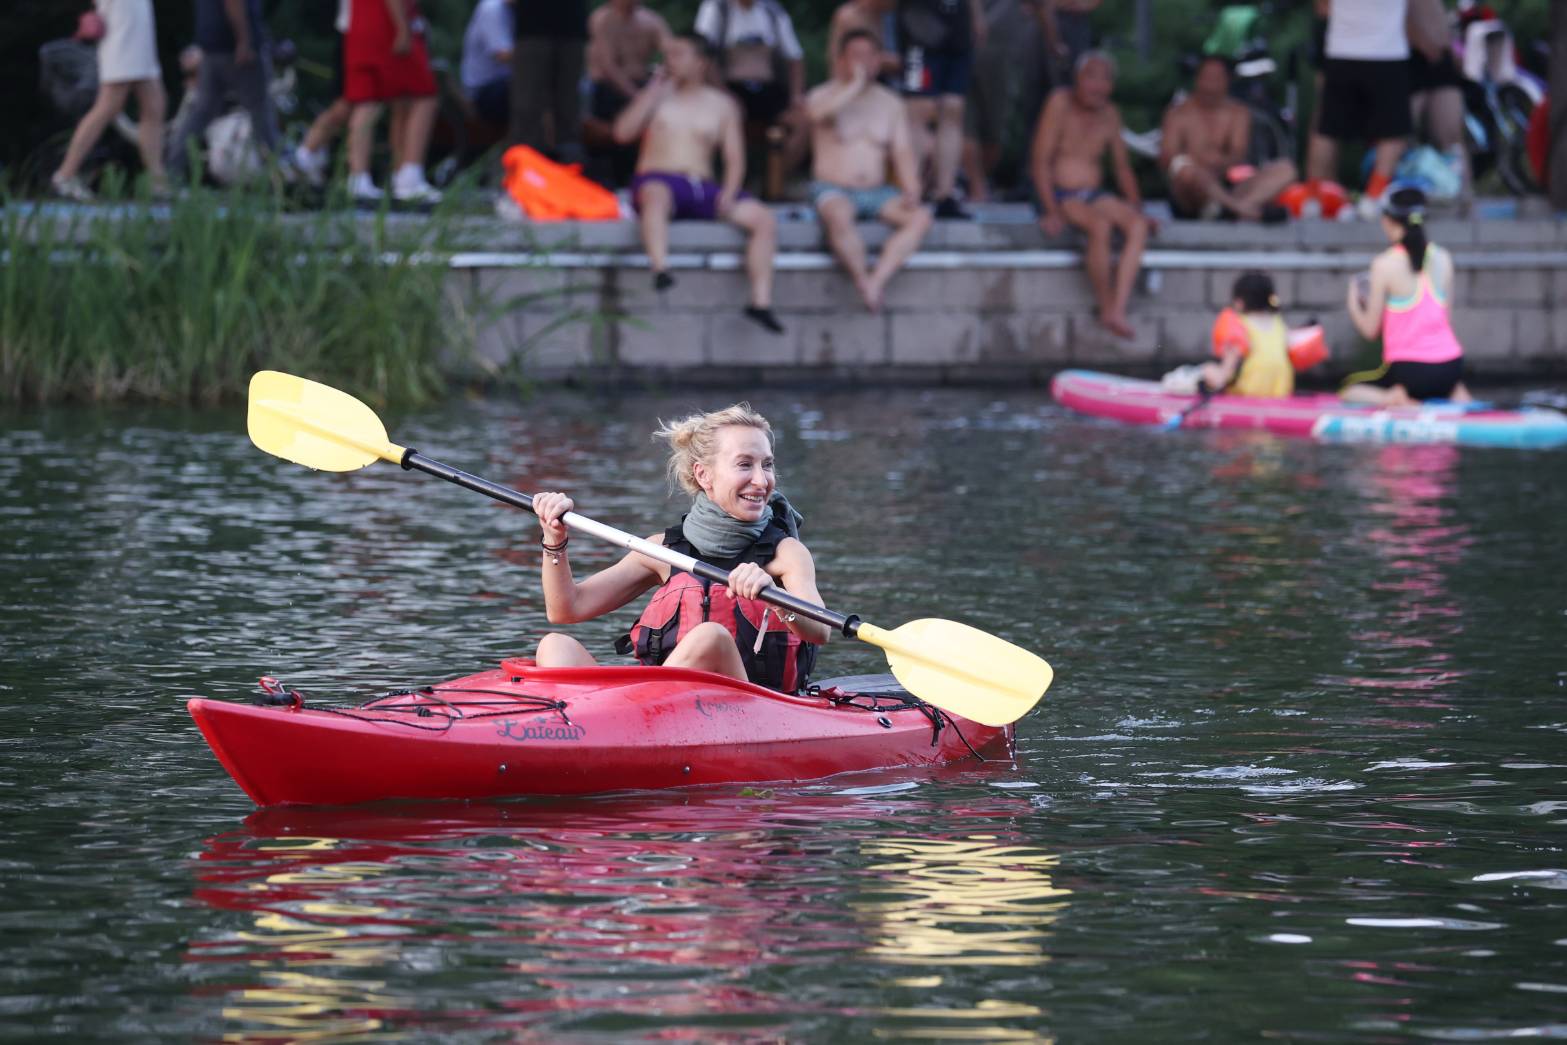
(1423, 380)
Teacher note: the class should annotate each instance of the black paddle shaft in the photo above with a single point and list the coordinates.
(415, 461)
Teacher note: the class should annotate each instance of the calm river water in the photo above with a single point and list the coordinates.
(1297, 777)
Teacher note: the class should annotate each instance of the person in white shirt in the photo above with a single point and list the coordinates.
(486, 60)
(762, 63)
(127, 65)
(1365, 89)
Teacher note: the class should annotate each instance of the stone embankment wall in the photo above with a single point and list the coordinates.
(978, 303)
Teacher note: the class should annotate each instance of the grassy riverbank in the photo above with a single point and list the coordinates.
(182, 303)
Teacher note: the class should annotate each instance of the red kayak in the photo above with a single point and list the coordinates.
(525, 730)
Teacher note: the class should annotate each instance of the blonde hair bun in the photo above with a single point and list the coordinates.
(694, 438)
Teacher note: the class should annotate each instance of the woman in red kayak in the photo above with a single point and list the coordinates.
(739, 521)
(1407, 304)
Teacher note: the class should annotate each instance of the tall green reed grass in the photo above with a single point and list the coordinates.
(183, 303)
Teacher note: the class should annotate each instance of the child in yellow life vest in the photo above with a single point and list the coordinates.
(1252, 343)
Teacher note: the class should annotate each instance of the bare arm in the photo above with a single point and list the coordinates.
(244, 47)
(1042, 156)
(976, 11)
(601, 56)
(835, 30)
(1045, 11)
(634, 118)
(1441, 263)
(825, 101)
(1425, 23)
(796, 80)
(1125, 180)
(1171, 137)
(1238, 139)
(568, 602)
(401, 42)
(732, 147)
(905, 168)
(1367, 318)
(1229, 364)
(795, 572)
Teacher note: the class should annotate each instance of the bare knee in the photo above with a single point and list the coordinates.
(707, 638)
(923, 219)
(653, 198)
(557, 650)
(837, 215)
(761, 222)
(111, 99)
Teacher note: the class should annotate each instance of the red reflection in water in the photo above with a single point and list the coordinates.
(651, 906)
(1410, 491)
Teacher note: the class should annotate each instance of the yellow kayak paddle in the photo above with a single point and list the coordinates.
(952, 666)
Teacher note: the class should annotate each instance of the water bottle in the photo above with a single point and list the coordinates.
(914, 70)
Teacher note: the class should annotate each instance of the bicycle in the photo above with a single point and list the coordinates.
(1237, 36)
(1499, 101)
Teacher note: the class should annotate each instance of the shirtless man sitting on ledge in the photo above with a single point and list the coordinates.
(1203, 146)
(857, 127)
(682, 122)
(1078, 125)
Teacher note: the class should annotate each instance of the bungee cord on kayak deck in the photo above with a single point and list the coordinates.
(900, 700)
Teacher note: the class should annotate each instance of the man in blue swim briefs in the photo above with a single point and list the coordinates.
(857, 126)
(682, 122)
(1078, 126)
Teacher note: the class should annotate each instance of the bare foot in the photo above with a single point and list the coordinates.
(1461, 394)
(1117, 325)
(870, 293)
(1398, 395)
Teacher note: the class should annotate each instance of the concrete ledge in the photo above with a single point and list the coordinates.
(979, 303)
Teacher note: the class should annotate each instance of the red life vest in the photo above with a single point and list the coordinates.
(784, 662)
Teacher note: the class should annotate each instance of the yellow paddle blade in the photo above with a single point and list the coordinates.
(962, 669)
(315, 425)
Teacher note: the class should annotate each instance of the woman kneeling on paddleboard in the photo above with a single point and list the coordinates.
(1407, 303)
(739, 521)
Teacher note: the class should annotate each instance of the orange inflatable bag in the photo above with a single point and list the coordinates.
(1229, 331)
(1307, 200)
(550, 191)
(1308, 346)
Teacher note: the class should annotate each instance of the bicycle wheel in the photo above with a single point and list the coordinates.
(1270, 139)
(1514, 108)
(31, 175)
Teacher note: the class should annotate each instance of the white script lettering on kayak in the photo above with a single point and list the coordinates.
(511, 729)
(1384, 428)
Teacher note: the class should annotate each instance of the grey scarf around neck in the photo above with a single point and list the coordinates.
(716, 533)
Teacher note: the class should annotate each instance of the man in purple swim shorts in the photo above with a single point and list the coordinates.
(682, 122)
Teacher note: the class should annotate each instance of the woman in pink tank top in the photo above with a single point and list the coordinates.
(1407, 304)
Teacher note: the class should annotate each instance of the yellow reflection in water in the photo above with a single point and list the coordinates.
(969, 901)
(308, 1006)
(312, 1008)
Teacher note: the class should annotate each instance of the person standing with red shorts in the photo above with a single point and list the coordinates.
(386, 59)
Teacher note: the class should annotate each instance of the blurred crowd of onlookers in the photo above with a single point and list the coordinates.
(908, 127)
(973, 76)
